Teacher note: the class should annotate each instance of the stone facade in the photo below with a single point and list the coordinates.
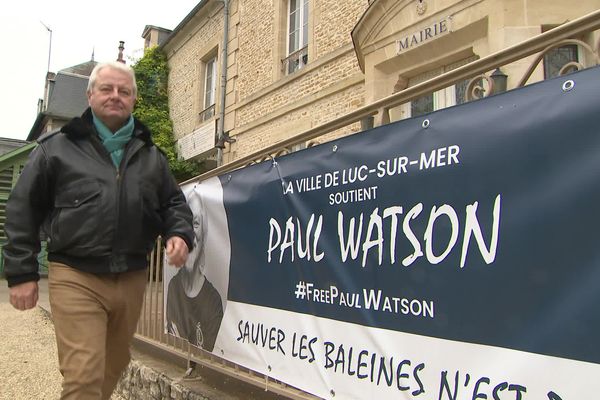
(358, 53)
(474, 29)
(263, 103)
(199, 39)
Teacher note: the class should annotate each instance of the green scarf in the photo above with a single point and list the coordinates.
(114, 142)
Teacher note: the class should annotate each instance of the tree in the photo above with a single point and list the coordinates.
(152, 108)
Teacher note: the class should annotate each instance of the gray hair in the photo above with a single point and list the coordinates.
(201, 212)
(112, 65)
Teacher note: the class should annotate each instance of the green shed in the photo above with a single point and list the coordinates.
(11, 165)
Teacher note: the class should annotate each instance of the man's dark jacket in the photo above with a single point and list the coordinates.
(96, 217)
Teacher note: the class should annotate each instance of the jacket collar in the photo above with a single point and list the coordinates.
(83, 127)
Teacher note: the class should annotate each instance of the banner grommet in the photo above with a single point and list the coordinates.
(568, 85)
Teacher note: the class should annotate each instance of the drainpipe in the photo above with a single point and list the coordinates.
(221, 123)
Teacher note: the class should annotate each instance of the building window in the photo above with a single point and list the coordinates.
(450, 96)
(555, 59)
(421, 105)
(297, 39)
(460, 92)
(210, 89)
(447, 97)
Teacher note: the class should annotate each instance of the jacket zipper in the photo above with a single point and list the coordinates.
(130, 149)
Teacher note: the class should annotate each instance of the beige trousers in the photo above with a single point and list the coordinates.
(95, 317)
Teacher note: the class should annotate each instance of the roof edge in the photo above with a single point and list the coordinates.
(183, 23)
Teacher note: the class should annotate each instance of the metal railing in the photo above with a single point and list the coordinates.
(150, 328)
(295, 61)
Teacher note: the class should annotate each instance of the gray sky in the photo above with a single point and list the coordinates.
(78, 29)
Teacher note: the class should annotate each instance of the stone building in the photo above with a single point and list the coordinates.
(282, 67)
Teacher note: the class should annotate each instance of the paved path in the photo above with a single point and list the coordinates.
(28, 361)
(29, 364)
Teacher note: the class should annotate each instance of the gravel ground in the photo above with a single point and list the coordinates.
(28, 361)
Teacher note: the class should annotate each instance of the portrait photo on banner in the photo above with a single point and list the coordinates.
(196, 293)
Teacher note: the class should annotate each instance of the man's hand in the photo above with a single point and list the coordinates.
(177, 251)
(24, 296)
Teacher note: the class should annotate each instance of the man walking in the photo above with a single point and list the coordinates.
(101, 192)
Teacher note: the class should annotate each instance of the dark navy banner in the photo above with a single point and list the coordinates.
(477, 223)
(449, 256)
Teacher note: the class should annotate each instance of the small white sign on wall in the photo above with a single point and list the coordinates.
(198, 143)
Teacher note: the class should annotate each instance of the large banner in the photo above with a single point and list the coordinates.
(450, 256)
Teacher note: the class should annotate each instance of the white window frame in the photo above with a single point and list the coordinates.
(209, 93)
(297, 52)
(210, 82)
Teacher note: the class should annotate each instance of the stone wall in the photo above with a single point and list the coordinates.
(257, 41)
(264, 105)
(186, 54)
(334, 20)
(140, 382)
(315, 112)
(274, 106)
